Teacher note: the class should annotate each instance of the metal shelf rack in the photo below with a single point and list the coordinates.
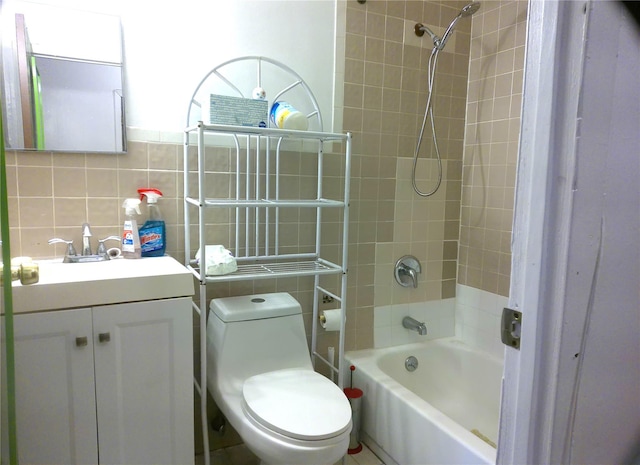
(256, 205)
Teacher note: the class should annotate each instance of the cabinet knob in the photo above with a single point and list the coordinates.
(104, 337)
(82, 341)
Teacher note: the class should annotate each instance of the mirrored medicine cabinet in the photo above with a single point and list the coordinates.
(62, 78)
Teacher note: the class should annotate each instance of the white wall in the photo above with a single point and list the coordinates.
(170, 47)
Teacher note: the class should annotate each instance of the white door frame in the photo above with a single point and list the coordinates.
(553, 51)
(519, 420)
(557, 235)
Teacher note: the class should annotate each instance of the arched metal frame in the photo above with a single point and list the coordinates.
(256, 62)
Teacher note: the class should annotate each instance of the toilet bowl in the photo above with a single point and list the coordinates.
(260, 375)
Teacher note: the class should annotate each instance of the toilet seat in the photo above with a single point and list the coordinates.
(299, 404)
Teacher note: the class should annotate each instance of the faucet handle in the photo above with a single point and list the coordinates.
(102, 250)
(406, 271)
(71, 250)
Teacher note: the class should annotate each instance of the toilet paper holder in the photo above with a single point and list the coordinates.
(330, 320)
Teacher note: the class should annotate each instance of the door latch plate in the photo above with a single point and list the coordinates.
(510, 328)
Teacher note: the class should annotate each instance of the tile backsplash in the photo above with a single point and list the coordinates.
(438, 316)
(51, 194)
(477, 319)
(473, 316)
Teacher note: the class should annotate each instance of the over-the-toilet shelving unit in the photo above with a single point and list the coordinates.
(255, 204)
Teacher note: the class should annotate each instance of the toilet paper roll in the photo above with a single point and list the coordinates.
(331, 320)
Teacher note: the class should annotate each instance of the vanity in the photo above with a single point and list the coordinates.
(104, 363)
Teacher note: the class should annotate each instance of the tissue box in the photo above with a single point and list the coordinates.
(218, 261)
(236, 111)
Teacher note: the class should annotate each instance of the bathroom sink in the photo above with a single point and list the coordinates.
(66, 285)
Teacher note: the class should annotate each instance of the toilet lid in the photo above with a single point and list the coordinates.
(301, 404)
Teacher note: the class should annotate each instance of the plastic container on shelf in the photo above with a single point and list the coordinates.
(285, 116)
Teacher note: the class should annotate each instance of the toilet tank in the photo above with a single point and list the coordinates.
(253, 334)
(255, 307)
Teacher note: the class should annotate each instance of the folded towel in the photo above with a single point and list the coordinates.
(218, 260)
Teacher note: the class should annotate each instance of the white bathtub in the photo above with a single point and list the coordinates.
(427, 416)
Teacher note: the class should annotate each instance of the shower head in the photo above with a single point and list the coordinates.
(470, 9)
(438, 42)
(466, 11)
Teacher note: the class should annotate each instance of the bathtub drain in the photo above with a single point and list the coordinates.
(411, 363)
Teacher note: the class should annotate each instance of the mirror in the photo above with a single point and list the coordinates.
(62, 85)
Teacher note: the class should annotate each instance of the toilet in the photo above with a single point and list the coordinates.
(260, 375)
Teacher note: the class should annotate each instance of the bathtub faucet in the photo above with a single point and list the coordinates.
(415, 325)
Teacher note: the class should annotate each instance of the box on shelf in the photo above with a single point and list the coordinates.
(237, 111)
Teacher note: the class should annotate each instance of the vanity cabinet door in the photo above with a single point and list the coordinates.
(55, 390)
(144, 382)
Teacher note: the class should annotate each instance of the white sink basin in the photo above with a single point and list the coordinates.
(71, 285)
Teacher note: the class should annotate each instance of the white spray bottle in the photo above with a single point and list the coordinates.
(130, 236)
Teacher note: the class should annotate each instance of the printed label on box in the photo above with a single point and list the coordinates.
(236, 111)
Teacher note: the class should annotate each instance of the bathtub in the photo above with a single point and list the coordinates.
(444, 412)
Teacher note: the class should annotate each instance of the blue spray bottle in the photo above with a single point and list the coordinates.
(153, 233)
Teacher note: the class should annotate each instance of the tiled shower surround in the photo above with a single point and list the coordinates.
(494, 103)
(460, 235)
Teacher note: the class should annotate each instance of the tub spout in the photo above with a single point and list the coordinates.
(414, 325)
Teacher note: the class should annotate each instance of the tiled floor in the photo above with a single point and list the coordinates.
(240, 455)
(236, 455)
(365, 457)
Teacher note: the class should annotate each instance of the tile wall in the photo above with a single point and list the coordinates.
(438, 315)
(51, 195)
(491, 145)
(385, 94)
(477, 319)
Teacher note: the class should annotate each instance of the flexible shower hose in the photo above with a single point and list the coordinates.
(428, 114)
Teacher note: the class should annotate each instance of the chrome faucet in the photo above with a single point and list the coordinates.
(414, 325)
(86, 239)
(87, 255)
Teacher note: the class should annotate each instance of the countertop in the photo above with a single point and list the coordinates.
(73, 285)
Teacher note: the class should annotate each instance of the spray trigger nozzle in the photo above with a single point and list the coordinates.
(151, 193)
(131, 205)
